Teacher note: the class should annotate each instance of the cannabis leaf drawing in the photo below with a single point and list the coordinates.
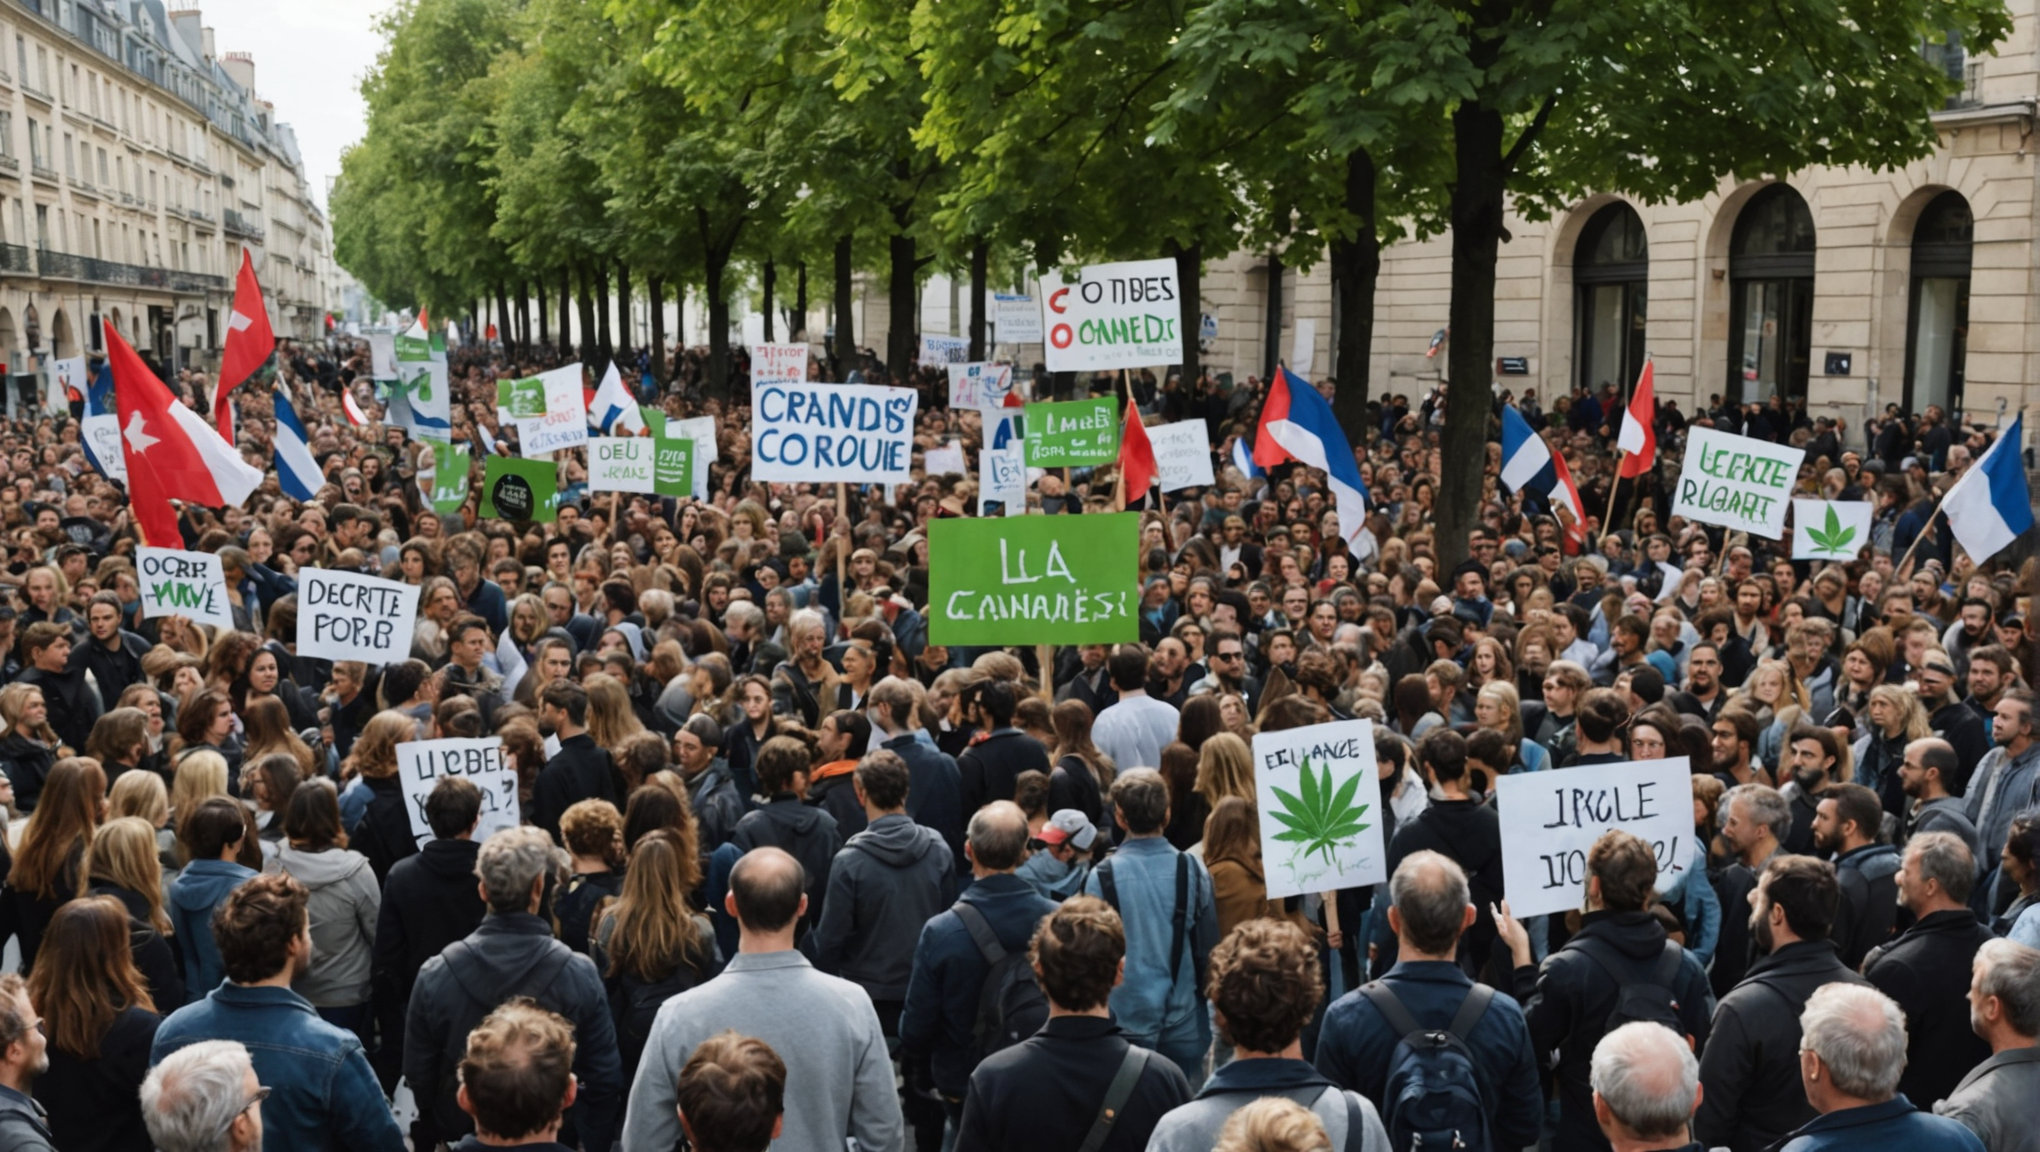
(1321, 817)
(1835, 539)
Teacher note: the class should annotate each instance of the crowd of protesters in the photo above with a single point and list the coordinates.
(790, 875)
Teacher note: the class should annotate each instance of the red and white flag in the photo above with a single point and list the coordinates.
(1565, 499)
(1136, 455)
(1638, 440)
(349, 405)
(250, 342)
(171, 452)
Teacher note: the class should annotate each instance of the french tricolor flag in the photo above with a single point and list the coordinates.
(1297, 424)
(1528, 462)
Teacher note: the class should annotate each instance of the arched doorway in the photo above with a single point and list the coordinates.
(62, 344)
(1770, 265)
(1937, 325)
(1611, 281)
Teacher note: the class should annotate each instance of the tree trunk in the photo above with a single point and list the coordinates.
(980, 259)
(1356, 267)
(845, 351)
(523, 317)
(1271, 347)
(771, 274)
(796, 324)
(655, 300)
(901, 344)
(587, 316)
(503, 331)
(544, 330)
(1190, 310)
(718, 327)
(566, 312)
(624, 335)
(603, 345)
(1477, 203)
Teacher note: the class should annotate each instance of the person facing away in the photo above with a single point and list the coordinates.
(205, 1097)
(1926, 970)
(1459, 825)
(1995, 1099)
(322, 1092)
(428, 902)
(1851, 1055)
(1134, 730)
(825, 1027)
(1051, 1089)
(733, 1095)
(100, 1022)
(1646, 1088)
(517, 1079)
(787, 823)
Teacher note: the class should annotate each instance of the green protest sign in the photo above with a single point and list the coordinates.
(517, 489)
(521, 399)
(673, 467)
(655, 418)
(1034, 580)
(1074, 432)
(450, 464)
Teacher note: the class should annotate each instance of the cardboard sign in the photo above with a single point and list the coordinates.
(673, 467)
(1002, 479)
(1126, 315)
(1018, 319)
(1072, 432)
(1830, 529)
(701, 430)
(946, 460)
(980, 385)
(422, 764)
(564, 423)
(823, 433)
(1182, 454)
(451, 468)
(778, 362)
(1550, 820)
(1736, 482)
(102, 435)
(621, 464)
(67, 380)
(382, 355)
(188, 584)
(351, 616)
(1319, 796)
(1034, 580)
(944, 349)
(514, 489)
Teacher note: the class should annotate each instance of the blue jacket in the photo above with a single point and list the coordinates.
(1355, 1044)
(934, 793)
(323, 1094)
(949, 976)
(1893, 1126)
(1153, 999)
(193, 896)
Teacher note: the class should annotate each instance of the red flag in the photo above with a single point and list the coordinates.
(249, 343)
(1638, 440)
(171, 452)
(1136, 455)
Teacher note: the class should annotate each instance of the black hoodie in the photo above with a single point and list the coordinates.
(1470, 833)
(807, 834)
(891, 879)
(430, 900)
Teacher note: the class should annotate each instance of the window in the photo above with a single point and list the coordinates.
(70, 167)
(1770, 269)
(103, 182)
(6, 133)
(1937, 332)
(42, 227)
(1611, 274)
(36, 156)
(42, 70)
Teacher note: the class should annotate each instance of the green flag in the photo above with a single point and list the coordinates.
(1074, 432)
(521, 399)
(517, 489)
(450, 465)
(1034, 580)
(673, 467)
(655, 418)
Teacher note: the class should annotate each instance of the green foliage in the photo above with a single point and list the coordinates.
(1322, 818)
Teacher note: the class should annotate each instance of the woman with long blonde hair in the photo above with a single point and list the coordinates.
(101, 1019)
(611, 720)
(143, 794)
(199, 776)
(30, 747)
(49, 867)
(648, 943)
(1225, 768)
(122, 863)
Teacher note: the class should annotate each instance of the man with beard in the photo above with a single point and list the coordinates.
(1733, 736)
(1703, 696)
(1168, 673)
(24, 1055)
(1990, 673)
(1809, 646)
(1086, 681)
(1950, 718)
(1924, 776)
(1754, 817)
(1813, 753)
(1749, 1071)
(1970, 631)
(1845, 829)
(1924, 969)
(1229, 669)
(2004, 782)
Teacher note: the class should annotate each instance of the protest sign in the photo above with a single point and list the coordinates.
(68, 381)
(422, 764)
(1018, 319)
(102, 435)
(1319, 797)
(1034, 580)
(188, 584)
(514, 489)
(620, 463)
(521, 399)
(946, 460)
(701, 430)
(1736, 482)
(564, 423)
(1182, 454)
(829, 432)
(451, 464)
(673, 467)
(944, 349)
(351, 616)
(418, 396)
(782, 362)
(1830, 529)
(382, 355)
(1073, 432)
(1002, 479)
(979, 385)
(655, 419)
(1550, 819)
(1126, 315)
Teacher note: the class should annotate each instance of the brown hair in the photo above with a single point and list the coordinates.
(118, 733)
(593, 828)
(778, 761)
(1076, 953)
(54, 842)
(1627, 869)
(1233, 832)
(518, 1066)
(375, 751)
(731, 1093)
(195, 716)
(654, 928)
(255, 925)
(312, 820)
(87, 975)
(1264, 981)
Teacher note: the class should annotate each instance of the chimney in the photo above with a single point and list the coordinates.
(207, 37)
(185, 22)
(241, 67)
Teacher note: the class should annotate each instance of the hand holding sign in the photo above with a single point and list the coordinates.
(188, 584)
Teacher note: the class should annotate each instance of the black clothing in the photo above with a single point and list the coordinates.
(383, 834)
(1470, 834)
(153, 956)
(989, 768)
(1045, 1091)
(577, 901)
(1732, 949)
(1750, 1066)
(1958, 724)
(580, 772)
(113, 670)
(73, 708)
(27, 764)
(1927, 971)
(1868, 878)
(95, 1105)
(935, 792)
(430, 900)
(1073, 785)
(807, 834)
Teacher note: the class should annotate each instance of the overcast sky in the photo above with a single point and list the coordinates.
(310, 56)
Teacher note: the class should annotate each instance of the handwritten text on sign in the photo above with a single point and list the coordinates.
(1072, 432)
(620, 463)
(1319, 796)
(1124, 315)
(779, 362)
(831, 432)
(349, 616)
(1182, 454)
(1550, 820)
(979, 385)
(1034, 579)
(1736, 482)
(422, 764)
(188, 584)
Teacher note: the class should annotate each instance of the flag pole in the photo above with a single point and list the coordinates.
(1898, 571)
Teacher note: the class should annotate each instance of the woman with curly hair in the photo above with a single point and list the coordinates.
(383, 833)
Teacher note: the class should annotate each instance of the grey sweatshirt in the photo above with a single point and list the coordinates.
(344, 903)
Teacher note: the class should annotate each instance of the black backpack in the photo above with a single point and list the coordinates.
(1011, 1005)
(1652, 1000)
(1433, 1098)
(1179, 916)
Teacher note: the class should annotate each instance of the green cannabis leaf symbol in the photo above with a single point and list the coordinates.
(1835, 539)
(1321, 817)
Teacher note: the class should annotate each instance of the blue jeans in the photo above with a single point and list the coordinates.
(1186, 1044)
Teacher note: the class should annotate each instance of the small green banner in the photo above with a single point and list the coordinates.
(450, 466)
(1034, 580)
(518, 489)
(521, 399)
(673, 467)
(655, 418)
(1074, 432)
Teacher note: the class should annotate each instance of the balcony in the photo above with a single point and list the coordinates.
(239, 225)
(15, 258)
(10, 164)
(38, 94)
(64, 266)
(43, 172)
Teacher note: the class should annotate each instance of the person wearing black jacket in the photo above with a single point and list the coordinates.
(71, 705)
(807, 834)
(428, 902)
(581, 770)
(112, 654)
(991, 766)
(1928, 967)
(935, 793)
(1845, 827)
(1460, 827)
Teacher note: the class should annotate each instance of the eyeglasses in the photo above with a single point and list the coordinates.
(1227, 656)
(260, 1095)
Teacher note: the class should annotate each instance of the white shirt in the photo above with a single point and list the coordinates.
(1134, 730)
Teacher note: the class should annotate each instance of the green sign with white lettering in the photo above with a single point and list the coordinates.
(1034, 580)
(450, 466)
(673, 467)
(1074, 432)
(521, 399)
(518, 489)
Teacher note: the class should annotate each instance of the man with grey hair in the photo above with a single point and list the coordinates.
(1926, 969)
(1995, 1100)
(1851, 1055)
(24, 1055)
(204, 1098)
(1646, 1088)
(1755, 820)
(512, 953)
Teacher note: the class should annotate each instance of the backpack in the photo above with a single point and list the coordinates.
(1651, 1000)
(1011, 1005)
(1433, 1094)
(1179, 925)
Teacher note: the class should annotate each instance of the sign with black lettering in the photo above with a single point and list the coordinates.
(1550, 820)
(349, 616)
(1319, 796)
(421, 765)
(187, 584)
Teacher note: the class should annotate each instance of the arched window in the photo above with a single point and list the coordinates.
(1611, 280)
(1937, 332)
(1770, 266)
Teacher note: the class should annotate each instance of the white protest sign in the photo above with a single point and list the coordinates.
(350, 616)
(1182, 454)
(1303, 353)
(565, 423)
(1830, 529)
(701, 430)
(946, 459)
(1320, 801)
(856, 433)
(103, 434)
(188, 584)
(621, 463)
(980, 385)
(67, 377)
(382, 355)
(778, 362)
(1002, 478)
(1126, 315)
(1018, 319)
(1736, 482)
(1550, 819)
(422, 764)
(944, 349)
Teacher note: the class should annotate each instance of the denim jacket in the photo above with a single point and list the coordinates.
(1154, 999)
(323, 1095)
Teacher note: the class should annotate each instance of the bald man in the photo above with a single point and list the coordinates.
(1646, 1089)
